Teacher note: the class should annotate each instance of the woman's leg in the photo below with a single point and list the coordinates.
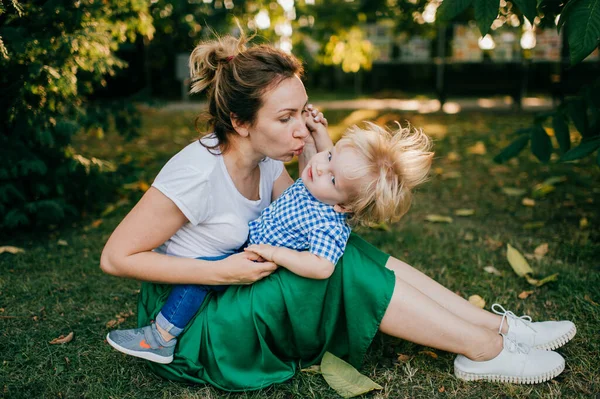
(414, 316)
(444, 297)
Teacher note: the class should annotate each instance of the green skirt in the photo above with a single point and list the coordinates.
(252, 336)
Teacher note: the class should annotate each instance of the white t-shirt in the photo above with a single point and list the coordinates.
(199, 184)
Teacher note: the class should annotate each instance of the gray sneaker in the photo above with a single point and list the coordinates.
(143, 343)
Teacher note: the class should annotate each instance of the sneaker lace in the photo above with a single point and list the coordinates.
(513, 346)
(499, 310)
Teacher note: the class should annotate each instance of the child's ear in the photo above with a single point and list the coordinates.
(239, 127)
(339, 208)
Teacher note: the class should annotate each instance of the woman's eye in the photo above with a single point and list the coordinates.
(285, 120)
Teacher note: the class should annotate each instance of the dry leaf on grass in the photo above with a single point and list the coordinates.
(583, 223)
(62, 243)
(403, 358)
(477, 149)
(429, 353)
(344, 378)
(441, 389)
(517, 261)
(464, 212)
(493, 244)
(492, 270)
(62, 339)
(525, 294)
(590, 300)
(528, 202)
(541, 251)
(477, 301)
(11, 250)
(314, 369)
(438, 218)
(513, 191)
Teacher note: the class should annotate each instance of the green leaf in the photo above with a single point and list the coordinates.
(513, 149)
(586, 147)
(528, 8)
(541, 145)
(582, 25)
(451, 9)
(578, 114)
(565, 12)
(344, 378)
(517, 261)
(561, 132)
(486, 12)
(539, 283)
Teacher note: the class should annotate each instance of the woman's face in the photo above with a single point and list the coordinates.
(280, 127)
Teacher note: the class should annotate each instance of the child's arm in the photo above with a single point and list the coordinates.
(302, 263)
(317, 125)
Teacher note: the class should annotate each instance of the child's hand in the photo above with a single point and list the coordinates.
(265, 251)
(316, 122)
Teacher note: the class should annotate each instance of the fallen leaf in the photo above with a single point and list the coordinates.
(492, 270)
(533, 225)
(453, 156)
(525, 294)
(469, 236)
(62, 339)
(464, 212)
(429, 353)
(344, 378)
(62, 243)
(477, 149)
(108, 210)
(539, 283)
(314, 369)
(513, 192)
(553, 181)
(541, 251)
(517, 261)
(111, 323)
(541, 190)
(493, 244)
(403, 358)
(477, 301)
(438, 218)
(97, 223)
(441, 389)
(528, 202)
(438, 170)
(583, 223)
(452, 175)
(11, 250)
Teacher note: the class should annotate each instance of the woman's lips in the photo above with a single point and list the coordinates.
(298, 151)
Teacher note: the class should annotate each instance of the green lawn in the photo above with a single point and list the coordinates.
(56, 287)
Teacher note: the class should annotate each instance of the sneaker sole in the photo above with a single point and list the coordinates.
(142, 355)
(510, 379)
(560, 341)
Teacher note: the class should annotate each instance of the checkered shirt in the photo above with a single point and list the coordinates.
(297, 220)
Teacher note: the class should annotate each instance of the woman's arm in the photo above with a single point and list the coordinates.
(302, 263)
(154, 219)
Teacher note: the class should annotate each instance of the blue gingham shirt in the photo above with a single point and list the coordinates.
(299, 221)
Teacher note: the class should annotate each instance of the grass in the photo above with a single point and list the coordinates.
(53, 289)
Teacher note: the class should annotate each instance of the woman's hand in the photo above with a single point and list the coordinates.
(246, 268)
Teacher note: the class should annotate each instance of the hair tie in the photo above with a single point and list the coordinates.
(229, 58)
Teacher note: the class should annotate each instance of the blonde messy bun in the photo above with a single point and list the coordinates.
(394, 162)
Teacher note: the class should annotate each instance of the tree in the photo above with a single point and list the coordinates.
(580, 19)
(54, 54)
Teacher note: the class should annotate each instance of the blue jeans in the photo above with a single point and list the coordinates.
(183, 303)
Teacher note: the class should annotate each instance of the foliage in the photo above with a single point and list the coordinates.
(56, 53)
(580, 19)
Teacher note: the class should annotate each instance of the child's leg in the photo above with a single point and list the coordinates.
(183, 304)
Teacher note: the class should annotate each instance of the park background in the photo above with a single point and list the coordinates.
(93, 102)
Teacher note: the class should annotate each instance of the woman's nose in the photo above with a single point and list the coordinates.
(301, 130)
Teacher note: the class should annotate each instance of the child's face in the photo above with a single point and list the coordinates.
(326, 176)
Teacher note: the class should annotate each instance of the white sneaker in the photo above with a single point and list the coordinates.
(516, 363)
(545, 335)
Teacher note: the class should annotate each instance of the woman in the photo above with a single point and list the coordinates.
(259, 330)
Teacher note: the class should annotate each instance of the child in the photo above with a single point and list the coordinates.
(366, 178)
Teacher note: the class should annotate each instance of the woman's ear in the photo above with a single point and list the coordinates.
(339, 208)
(239, 127)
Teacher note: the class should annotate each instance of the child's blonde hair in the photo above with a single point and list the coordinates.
(393, 163)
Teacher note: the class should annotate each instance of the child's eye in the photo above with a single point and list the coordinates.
(329, 155)
(333, 180)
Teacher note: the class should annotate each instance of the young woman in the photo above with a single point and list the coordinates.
(260, 330)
